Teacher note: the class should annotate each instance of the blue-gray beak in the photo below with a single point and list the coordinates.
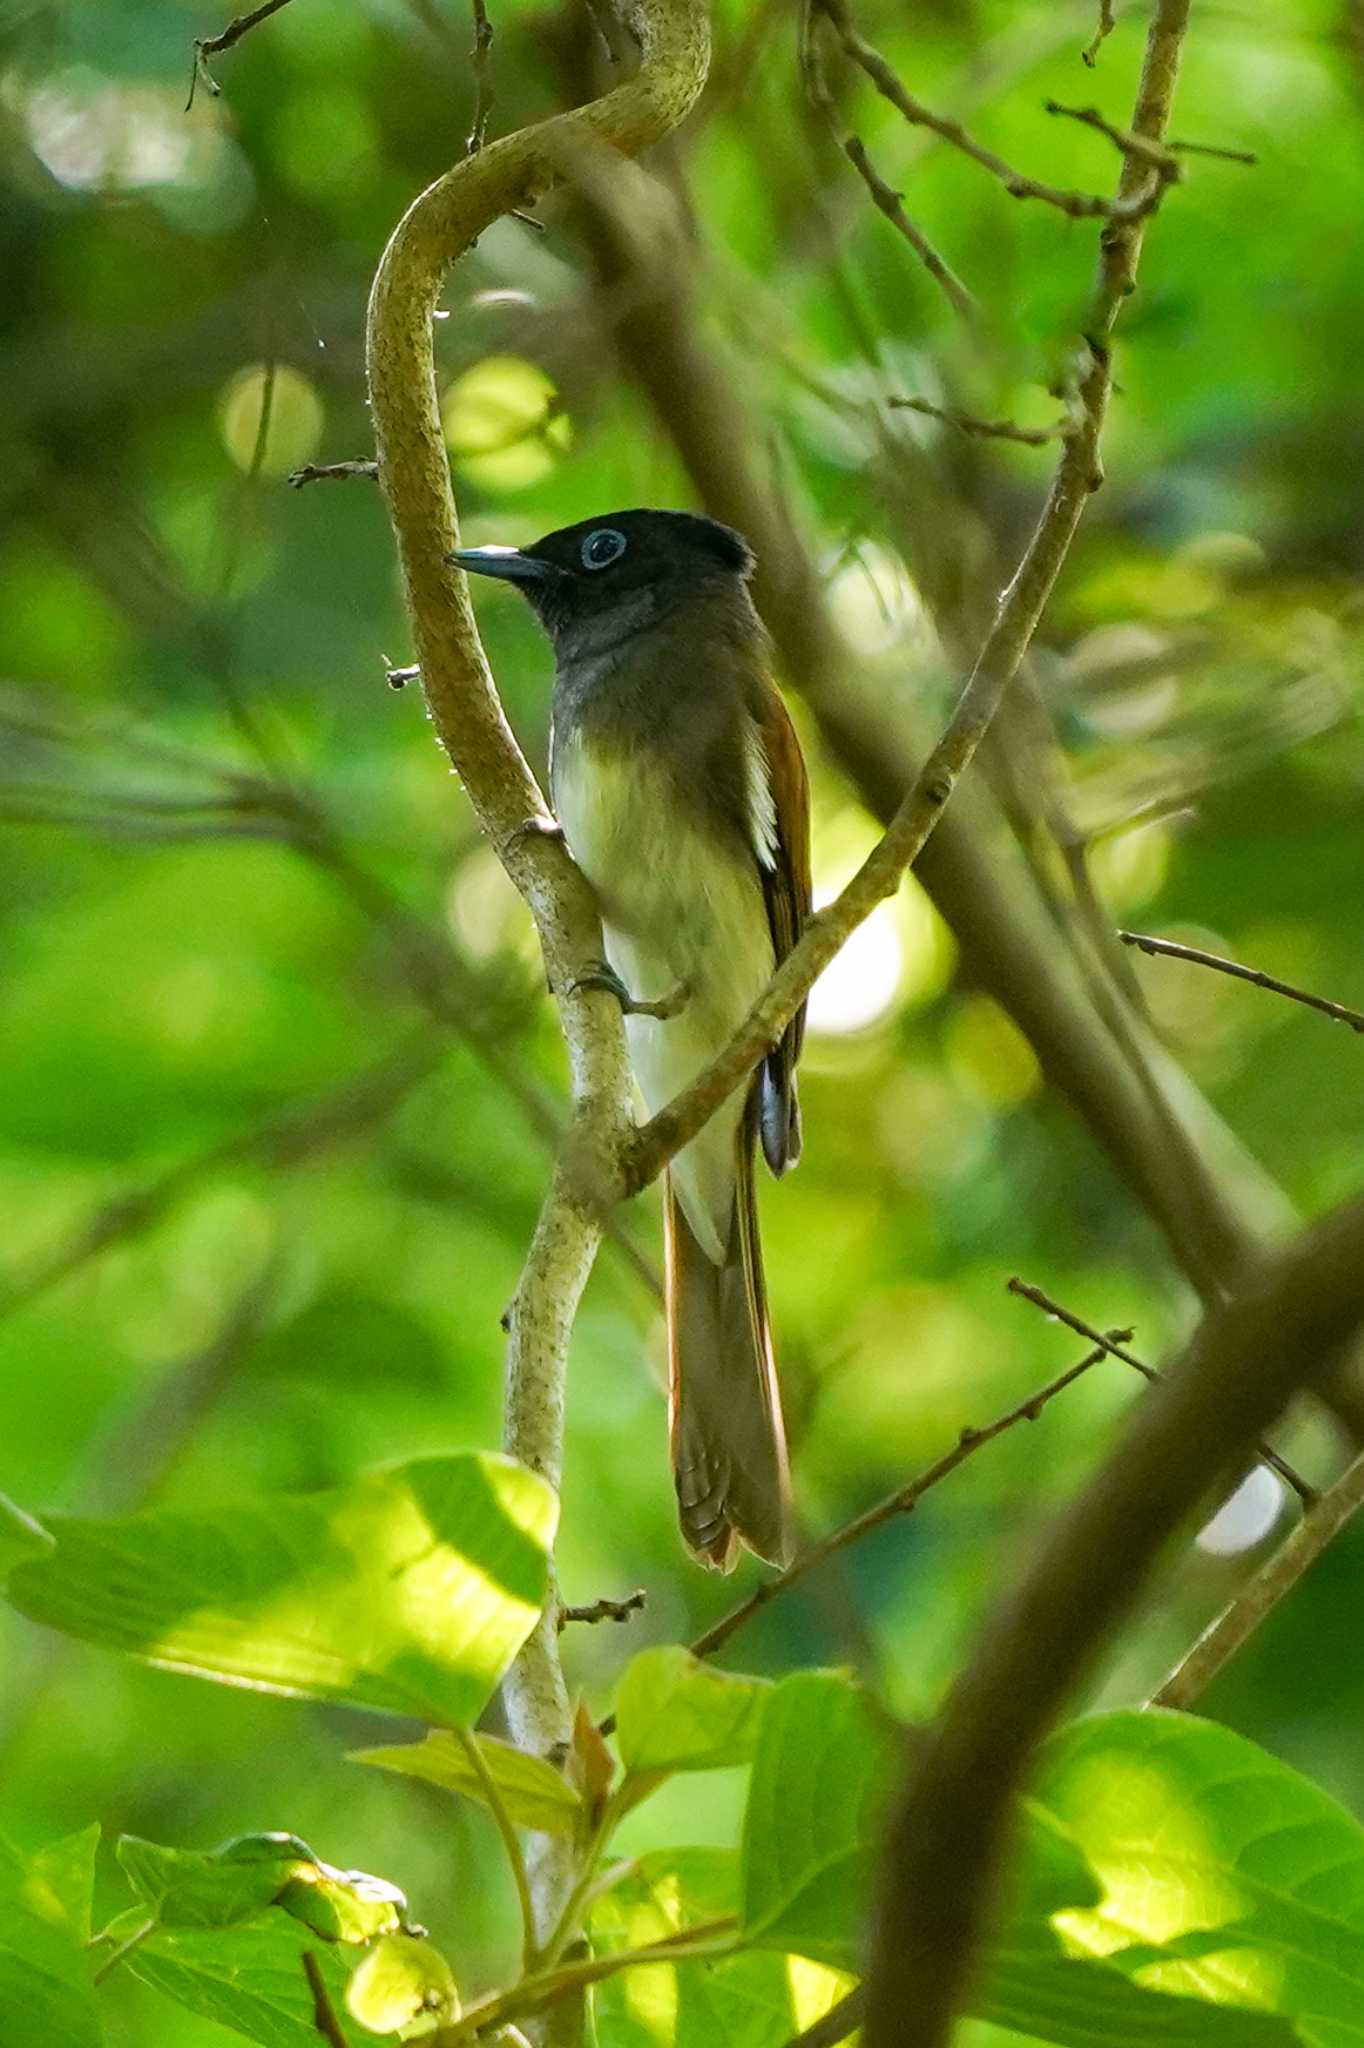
(508, 563)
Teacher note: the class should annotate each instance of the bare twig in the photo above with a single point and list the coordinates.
(480, 58)
(1169, 949)
(1277, 1576)
(1132, 204)
(902, 1502)
(1154, 154)
(995, 430)
(891, 205)
(324, 2012)
(1231, 156)
(1267, 1455)
(889, 202)
(537, 1994)
(1107, 24)
(213, 46)
(605, 1610)
(332, 472)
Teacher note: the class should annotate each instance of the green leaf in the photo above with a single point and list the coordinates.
(45, 1990)
(824, 1766)
(223, 1887)
(533, 1792)
(20, 1535)
(194, 1888)
(674, 1713)
(60, 1882)
(398, 1982)
(1227, 1877)
(751, 1999)
(410, 1590)
(251, 1980)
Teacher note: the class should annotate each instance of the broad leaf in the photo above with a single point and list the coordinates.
(824, 1766)
(46, 1994)
(1227, 1877)
(673, 1713)
(533, 1792)
(752, 1999)
(410, 1590)
(250, 1980)
(401, 1981)
(194, 1888)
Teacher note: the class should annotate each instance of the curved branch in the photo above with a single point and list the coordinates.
(674, 45)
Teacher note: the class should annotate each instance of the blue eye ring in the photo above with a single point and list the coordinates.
(602, 547)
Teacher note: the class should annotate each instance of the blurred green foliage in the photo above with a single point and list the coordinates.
(207, 1001)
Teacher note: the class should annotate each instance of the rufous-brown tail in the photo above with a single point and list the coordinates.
(728, 1444)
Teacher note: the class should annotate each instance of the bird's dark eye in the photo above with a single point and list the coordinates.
(602, 548)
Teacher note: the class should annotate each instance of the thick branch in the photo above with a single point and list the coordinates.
(673, 39)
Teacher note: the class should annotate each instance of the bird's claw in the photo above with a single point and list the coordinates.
(605, 977)
(534, 828)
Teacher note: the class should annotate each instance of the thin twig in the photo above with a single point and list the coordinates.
(511, 1843)
(332, 472)
(1169, 949)
(1306, 1493)
(1130, 205)
(903, 1501)
(995, 430)
(1276, 1577)
(1107, 23)
(213, 46)
(480, 58)
(324, 2012)
(1231, 156)
(707, 1938)
(605, 1610)
(1156, 155)
(889, 202)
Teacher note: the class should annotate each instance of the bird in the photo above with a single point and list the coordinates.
(678, 781)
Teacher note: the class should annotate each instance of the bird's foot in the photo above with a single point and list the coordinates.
(606, 977)
(533, 828)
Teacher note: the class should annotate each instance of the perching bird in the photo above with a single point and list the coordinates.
(678, 779)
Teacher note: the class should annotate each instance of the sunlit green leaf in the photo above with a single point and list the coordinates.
(1226, 1876)
(400, 1981)
(411, 1589)
(753, 1999)
(533, 1792)
(674, 1713)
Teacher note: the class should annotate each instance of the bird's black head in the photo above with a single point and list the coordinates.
(634, 565)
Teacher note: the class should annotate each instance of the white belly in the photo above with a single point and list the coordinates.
(676, 908)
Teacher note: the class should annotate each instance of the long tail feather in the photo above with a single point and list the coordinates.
(729, 1447)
